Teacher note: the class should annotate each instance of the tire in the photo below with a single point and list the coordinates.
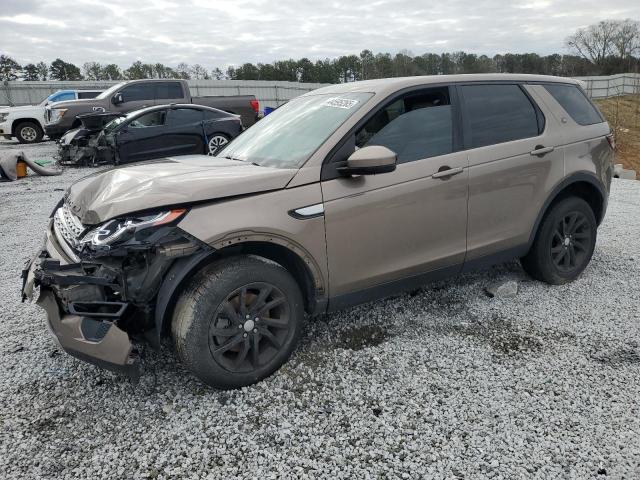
(29, 132)
(216, 143)
(564, 242)
(216, 338)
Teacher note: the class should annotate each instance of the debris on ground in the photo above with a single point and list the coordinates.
(502, 289)
(12, 162)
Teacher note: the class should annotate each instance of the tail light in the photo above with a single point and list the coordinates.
(612, 141)
(255, 105)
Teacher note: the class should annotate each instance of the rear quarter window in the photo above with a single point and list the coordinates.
(184, 116)
(575, 103)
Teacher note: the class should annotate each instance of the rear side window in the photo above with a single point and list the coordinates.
(499, 113)
(209, 115)
(575, 103)
(137, 92)
(168, 90)
(184, 116)
(82, 94)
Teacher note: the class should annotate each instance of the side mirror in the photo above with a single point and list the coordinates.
(369, 161)
(117, 99)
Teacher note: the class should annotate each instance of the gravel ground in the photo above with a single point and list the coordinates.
(444, 382)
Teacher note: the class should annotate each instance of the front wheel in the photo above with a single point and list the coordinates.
(29, 132)
(238, 321)
(564, 243)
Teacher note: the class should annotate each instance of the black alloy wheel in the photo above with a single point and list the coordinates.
(571, 241)
(249, 328)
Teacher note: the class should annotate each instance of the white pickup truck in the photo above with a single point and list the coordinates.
(26, 123)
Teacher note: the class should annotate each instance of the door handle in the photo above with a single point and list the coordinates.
(446, 172)
(540, 150)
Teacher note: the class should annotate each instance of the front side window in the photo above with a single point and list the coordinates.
(107, 93)
(151, 119)
(137, 92)
(575, 103)
(498, 113)
(418, 125)
(169, 90)
(184, 116)
(287, 137)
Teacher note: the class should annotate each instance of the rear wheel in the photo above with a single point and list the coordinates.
(564, 243)
(238, 321)
(29, 132)
(217, 142)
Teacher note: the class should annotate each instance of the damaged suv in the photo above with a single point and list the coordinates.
(346, 194)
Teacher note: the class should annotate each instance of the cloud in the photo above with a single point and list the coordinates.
(228, 32)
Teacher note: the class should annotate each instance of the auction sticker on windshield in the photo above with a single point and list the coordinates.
(338, 102)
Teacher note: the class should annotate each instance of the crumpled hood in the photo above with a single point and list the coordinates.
(168, 182)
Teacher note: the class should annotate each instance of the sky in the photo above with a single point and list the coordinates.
(219, 33)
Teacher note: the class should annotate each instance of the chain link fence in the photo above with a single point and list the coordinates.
(612, 85)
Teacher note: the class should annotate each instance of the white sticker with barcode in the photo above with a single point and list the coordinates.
(337, 102)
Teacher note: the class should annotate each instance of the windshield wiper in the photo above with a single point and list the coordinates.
(229, 157)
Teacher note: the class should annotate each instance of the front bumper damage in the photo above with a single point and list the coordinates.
(83, 148)
(82, 323)
(100, 309)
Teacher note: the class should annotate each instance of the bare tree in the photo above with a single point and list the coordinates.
(627, 40)
(607, 39)
(595, 42)
(183, 71)
(198, 72)
(218, 74)
(92, 71)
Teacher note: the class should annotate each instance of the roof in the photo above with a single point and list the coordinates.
(169, 106)
(385, 85)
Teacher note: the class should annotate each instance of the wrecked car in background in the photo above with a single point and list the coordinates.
(133, 95)
(153, 132)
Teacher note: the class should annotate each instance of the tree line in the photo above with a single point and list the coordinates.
(605, 48)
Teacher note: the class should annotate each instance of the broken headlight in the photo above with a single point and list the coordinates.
(120, 230)
(56, 114)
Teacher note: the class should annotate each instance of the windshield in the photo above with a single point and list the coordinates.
(109, 91)
(48, 99)
(113, 124)
(287, 137)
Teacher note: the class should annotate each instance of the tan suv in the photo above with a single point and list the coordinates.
(346, 194)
